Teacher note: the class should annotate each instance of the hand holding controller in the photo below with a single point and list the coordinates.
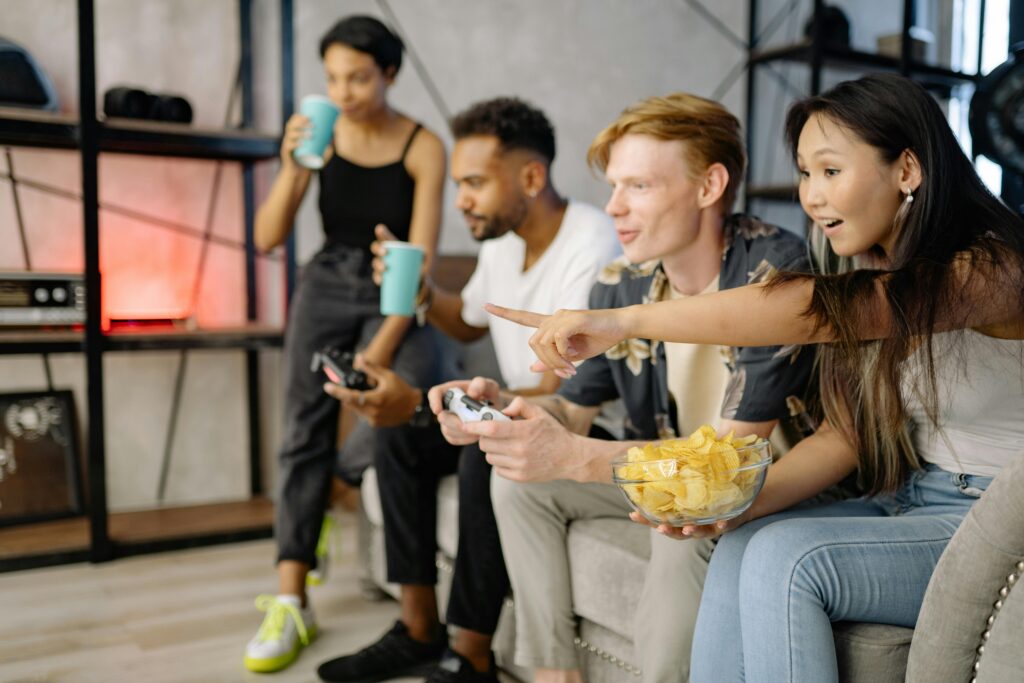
(337, 365)
(470, 410)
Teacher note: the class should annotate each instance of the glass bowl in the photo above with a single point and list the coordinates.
(692, 488)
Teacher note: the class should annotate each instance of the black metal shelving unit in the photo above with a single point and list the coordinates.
(26, 128)
(91, 538)
(819, 55)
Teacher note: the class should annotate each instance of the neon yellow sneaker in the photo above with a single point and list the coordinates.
(286, 629)
(324, 546)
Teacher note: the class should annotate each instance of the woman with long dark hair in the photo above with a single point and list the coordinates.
(922, 381)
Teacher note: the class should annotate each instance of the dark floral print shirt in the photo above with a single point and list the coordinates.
(760, 378)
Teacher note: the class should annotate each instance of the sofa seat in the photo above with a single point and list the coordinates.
(608, 558)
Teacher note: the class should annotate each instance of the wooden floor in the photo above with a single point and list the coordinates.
(181, 617)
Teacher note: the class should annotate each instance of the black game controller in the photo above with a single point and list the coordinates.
(337, 365)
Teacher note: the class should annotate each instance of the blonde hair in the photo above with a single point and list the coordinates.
(711, 135)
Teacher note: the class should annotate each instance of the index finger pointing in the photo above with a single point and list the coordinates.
(521, 317)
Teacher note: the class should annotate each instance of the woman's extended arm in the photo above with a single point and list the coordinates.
(759, 315)
(743, 316)
(426, 165)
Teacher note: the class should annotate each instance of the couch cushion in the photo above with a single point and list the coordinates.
(448, 515)
(370, 494)
(607, 564)
(608, 561)
(605, 656)
(965, 585)
(1002, 661)
(871, 652)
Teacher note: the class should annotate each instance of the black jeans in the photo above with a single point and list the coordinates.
(409, 464)
(336, 303)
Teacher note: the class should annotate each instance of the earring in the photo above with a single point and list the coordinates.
(532, 194)
(910, 196)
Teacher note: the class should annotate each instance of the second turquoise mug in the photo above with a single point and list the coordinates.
(401, 283)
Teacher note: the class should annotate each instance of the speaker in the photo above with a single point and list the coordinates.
(835, 27)
(22, 82)
(129, 103)
(135, 103)
(172, 108)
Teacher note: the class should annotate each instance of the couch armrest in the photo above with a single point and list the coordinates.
(963, 591)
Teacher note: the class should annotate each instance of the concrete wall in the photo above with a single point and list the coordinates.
(579, 60)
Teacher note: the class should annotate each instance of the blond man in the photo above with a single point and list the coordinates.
(674, 165)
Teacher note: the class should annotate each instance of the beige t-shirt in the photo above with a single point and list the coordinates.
(697, 378)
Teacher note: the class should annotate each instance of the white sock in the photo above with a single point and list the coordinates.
(291, 599)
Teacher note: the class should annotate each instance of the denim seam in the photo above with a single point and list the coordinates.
(789, 591)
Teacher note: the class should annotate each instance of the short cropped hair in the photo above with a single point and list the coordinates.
(368, 35)
(711, 135)
(516, 124)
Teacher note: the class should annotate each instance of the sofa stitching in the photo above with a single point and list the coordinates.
(1004, 593)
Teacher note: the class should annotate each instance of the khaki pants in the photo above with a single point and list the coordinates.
(533, 521)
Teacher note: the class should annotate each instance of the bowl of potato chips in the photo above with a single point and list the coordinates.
(701, 479)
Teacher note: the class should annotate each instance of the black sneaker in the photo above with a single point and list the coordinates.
(393, 656)
(454, 668)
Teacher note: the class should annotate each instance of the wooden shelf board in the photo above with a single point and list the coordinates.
(783, 193)
(194, 520)
(146, 338)
(929, 74)
(155, 529)
(57, 536)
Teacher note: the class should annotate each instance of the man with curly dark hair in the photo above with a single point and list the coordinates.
(539, 252)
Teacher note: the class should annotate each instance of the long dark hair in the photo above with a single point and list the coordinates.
(953, 231)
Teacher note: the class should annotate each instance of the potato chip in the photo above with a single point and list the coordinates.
(700, 477)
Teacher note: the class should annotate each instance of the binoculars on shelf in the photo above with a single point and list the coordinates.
(133, 103)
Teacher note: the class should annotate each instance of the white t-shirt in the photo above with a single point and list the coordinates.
(980, 403)
(560, 278)
(697, 378)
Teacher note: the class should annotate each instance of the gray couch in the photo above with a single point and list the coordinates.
(960, 627)
(972, 621)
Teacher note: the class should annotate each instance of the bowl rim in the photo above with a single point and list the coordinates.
(760, 444)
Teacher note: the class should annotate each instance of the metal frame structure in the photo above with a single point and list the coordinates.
(92, 136)
(818, 55)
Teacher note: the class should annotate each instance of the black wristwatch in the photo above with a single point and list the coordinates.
(423, 416)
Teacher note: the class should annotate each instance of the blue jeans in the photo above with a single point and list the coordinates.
(775, 585)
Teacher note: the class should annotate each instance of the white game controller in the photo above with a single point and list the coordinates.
(470, 410)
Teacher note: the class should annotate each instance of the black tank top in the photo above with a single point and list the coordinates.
(354, 199)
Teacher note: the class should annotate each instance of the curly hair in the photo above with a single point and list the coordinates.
(516, 124)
